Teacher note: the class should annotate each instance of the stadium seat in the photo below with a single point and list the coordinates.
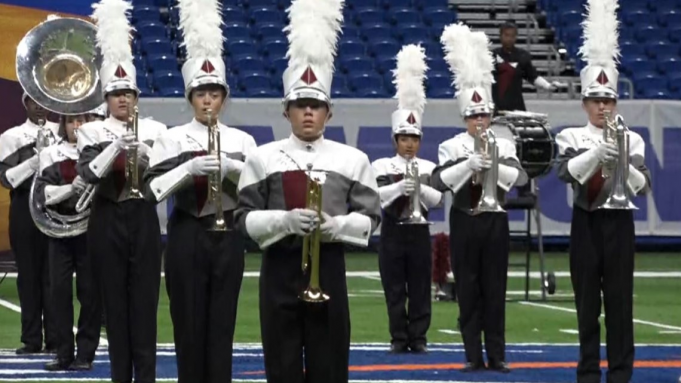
(376, 31)
(438, 16)
(263, 15)
(660, 48)
(140, 63)
(241, 47)
(356, 4)
(278, 65)
(657, 93)
(437, 64)
(438, 80)
(174, 15)
(675, 33)
(350, 31)
(162, 63)
(637, 64)
(270, 31)
(141, 79)
(638, 16)
(275, 47)
(413, 32)
(404, 16)
(247, 63)
(157, 46)
(255, 80)
(369, 15)
(151, 29)
(647, 32)
(172, 92)
(365, 80)
(146, 91)
(396, 3)
(674, 80)
(233, 15)
(571, 33)
(635, 49)
(645, 84)
(385, 64)
(668, 64)
(433, 49)
(341, 93)
(424, 4)
(262, 93)
(440, 93)
(339, 80)
(145, 13)
(669, 18)
(236, 31)
(384, 47)
(351, 48)
(357, 64)
(372, 93)
(570, 17)
(170, 79)
(258, 3)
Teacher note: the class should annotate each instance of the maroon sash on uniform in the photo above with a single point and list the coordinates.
(67, 169)
(295, 189)
(595, 185)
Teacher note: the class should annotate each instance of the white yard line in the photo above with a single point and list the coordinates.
(573, 311)
(569, 331)
(17, 309)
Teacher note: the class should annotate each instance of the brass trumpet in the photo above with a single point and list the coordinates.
(485, 143)
(312, 242)
(215, 179)
(619, 197)
(131, 162)
(416, 215)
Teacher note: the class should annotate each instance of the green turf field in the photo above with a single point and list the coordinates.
(656, 307)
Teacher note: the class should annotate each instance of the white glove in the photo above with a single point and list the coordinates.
(300, 221)
(329, 226)
(606, 152)
(476, 163)
(125, 141)
(143, 150)
(229, 165)
(408, 186)
(78, 185)
(204, 165)
(34, 162)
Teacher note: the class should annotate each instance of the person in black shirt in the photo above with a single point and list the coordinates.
(512, 65)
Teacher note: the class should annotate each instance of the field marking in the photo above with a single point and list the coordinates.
(573, 311)
(511, 274)
(449, 332)
(569, 331)
(669, 332)
(17, 309)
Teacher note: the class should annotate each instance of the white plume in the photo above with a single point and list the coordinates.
(313, 30)
(409, 77)
(600, 33)
(468, 56)
(114, 32)
(200, 22)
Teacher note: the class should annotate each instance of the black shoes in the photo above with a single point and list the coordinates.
(28, 350)
(499, 367)
(419, 348)
(398, 348)
(473, 367)
(80, 365)
(58, 365)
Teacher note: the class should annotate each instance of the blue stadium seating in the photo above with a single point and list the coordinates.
(151, 29)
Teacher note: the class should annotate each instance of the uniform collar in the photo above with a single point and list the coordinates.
(398, 159)
(115, 123)
(593, 129)
(196, 125)
(68, 149)
(311, 146)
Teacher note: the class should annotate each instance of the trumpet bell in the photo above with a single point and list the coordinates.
(57, 64)
(313, 295)
(416, 218)
(618, 202)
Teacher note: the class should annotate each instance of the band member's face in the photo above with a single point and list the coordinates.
(477, 119)
(204, 98)
(508, 37)
(120, 102)
(308, 118)
(73, 123)
(34, 111)
(408, 145)
(595, 107)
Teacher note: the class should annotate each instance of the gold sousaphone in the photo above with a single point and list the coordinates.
(57, 65)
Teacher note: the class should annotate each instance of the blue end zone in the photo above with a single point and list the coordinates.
(371, 362)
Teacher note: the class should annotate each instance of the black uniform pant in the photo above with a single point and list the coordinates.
(304, 342)
(204, 270)
(602, 249)
(480, 246)
(66, 256)
(126, 238)
(30, 250)
(405, 264)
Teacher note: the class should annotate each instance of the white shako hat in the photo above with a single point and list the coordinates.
(201, 25)
(470, 61)
(100, 110)
(313, 30)
(600, 49)
(409, 76)
(114, 36)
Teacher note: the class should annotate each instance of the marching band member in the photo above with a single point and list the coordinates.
(123, 231)
(405, 256)
(59, 187)
(602, 241)
(204, 268)
(18, 164)
(302, 341)
(479, 242)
